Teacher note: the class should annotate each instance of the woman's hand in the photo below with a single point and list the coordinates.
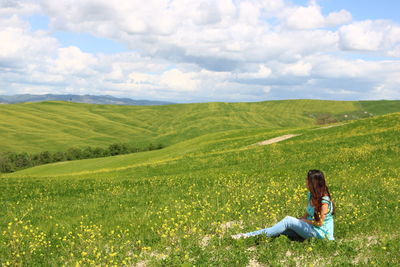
(307, 221)
(312, 222)
(324, 211)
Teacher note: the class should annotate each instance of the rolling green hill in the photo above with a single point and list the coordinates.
(57, 126)
(179, 205)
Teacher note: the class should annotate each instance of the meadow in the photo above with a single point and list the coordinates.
(178, 206)
(58, 126)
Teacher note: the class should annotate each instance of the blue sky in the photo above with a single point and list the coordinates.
(205, 50)
(85, 41)
(364, 9)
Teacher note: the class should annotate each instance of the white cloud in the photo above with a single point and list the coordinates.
(331, 67)
(262, 73)
(19, 43)
(207, 13)
(141, 78)
(179, 81)
(193, 31)
(338, 18)
(204, 50)
(360, 36)
(13, 7)
(371, 35)
(71, 60)
(311, 17)
(304, 17)
(384, 91)
(300, 68)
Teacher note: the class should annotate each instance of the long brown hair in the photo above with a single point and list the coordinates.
(318, 189)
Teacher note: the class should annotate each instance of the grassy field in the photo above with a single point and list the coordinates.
(57, 126)
(179, 205)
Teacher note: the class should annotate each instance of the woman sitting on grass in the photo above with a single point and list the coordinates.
(317, 222)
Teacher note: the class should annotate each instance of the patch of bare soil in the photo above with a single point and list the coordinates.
(276, 139)
(330, 126)
(254, 263)
(225, 226)
(204, 241)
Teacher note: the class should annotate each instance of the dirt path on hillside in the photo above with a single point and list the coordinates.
(276, 139)
(288, 136)
(330, 126)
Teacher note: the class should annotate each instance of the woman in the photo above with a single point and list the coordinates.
(317, 222)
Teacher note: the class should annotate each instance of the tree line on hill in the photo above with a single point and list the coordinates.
(13, 161)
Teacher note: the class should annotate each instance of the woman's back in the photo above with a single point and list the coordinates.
(325, 230)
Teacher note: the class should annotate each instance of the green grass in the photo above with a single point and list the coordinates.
(57, 126)
(380, 107)
(179, 205)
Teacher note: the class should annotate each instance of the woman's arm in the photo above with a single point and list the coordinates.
(324, 211)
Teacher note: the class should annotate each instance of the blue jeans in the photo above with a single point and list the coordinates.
(293, 228)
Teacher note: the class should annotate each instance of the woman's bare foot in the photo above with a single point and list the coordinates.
(238, 236)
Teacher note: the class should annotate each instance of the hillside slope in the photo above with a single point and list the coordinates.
(55, 126)
(180, 205)
(209, 145)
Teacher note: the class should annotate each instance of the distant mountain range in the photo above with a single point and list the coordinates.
(90, 99)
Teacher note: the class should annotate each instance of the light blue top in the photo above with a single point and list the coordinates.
(325, 230)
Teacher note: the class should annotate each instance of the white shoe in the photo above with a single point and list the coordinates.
(238, 236)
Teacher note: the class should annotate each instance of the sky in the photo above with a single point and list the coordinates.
(202, 50)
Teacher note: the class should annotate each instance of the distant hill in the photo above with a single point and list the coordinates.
(57, 126)
(89, 99)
